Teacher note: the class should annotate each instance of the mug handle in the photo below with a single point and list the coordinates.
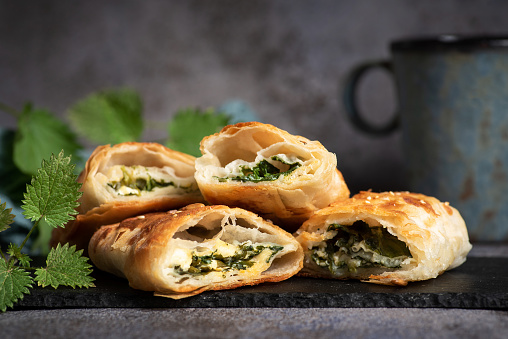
(349, 97)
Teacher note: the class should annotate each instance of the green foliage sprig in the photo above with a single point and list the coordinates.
(51, 197)
(103, 117)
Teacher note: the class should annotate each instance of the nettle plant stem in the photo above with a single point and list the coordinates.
(12, 258)
(29, 233)
(53, 196)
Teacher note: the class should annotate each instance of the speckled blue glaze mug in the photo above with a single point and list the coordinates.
(453, 115)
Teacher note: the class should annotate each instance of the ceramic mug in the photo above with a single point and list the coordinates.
(452, 96)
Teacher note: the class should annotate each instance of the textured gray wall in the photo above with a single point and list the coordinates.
(287, 59)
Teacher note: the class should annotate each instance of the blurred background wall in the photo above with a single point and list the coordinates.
(286, 59)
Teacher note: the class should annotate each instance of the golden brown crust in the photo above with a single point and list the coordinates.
(287, 201)
(100, 207)
(434, 232)
(142, 248)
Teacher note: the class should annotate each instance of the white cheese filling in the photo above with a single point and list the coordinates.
(181, 259)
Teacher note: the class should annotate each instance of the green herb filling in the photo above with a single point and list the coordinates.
(138, 185)
(241, 260)
(263, 171)
(359, 246)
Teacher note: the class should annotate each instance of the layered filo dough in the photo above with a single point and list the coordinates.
(184, 252)
(282, 177)
(125, 180)
(388, 238)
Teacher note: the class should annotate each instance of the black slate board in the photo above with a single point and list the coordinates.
(480, 283)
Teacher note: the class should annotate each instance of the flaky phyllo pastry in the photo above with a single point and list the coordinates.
(184, 252)
(385, 238)
(282, 177)
(126, 180)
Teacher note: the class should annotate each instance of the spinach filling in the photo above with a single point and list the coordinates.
(263, 171)
(241, 260)
(146, 184)
(359, 246)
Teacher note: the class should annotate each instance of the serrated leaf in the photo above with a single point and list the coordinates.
(53, 192)
(6, 218)
(14, 284)
(188, 127)
(24, 260)
(109, 117)
(39, 135)
(65, 266)
(15, 251)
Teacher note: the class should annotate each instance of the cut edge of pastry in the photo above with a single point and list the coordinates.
(112, 174)
(307, 177)
(236, 246)
(433, 232)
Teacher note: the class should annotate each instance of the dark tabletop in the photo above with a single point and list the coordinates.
(459, 303)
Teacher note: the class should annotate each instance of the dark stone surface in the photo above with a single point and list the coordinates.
(482, 280)
(321, 323)
(480, 283)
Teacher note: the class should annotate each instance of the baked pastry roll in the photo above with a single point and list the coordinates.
(125, 180)
(184, 252)
(282, 177)
(386, 238)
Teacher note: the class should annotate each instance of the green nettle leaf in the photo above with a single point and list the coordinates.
(109, 117)
(189, 126)
(6, 218)
(15, 251)
(53, 192)
(50, 198)
(24, 260)
(14, 283)
(65, 266)
(39, 135)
